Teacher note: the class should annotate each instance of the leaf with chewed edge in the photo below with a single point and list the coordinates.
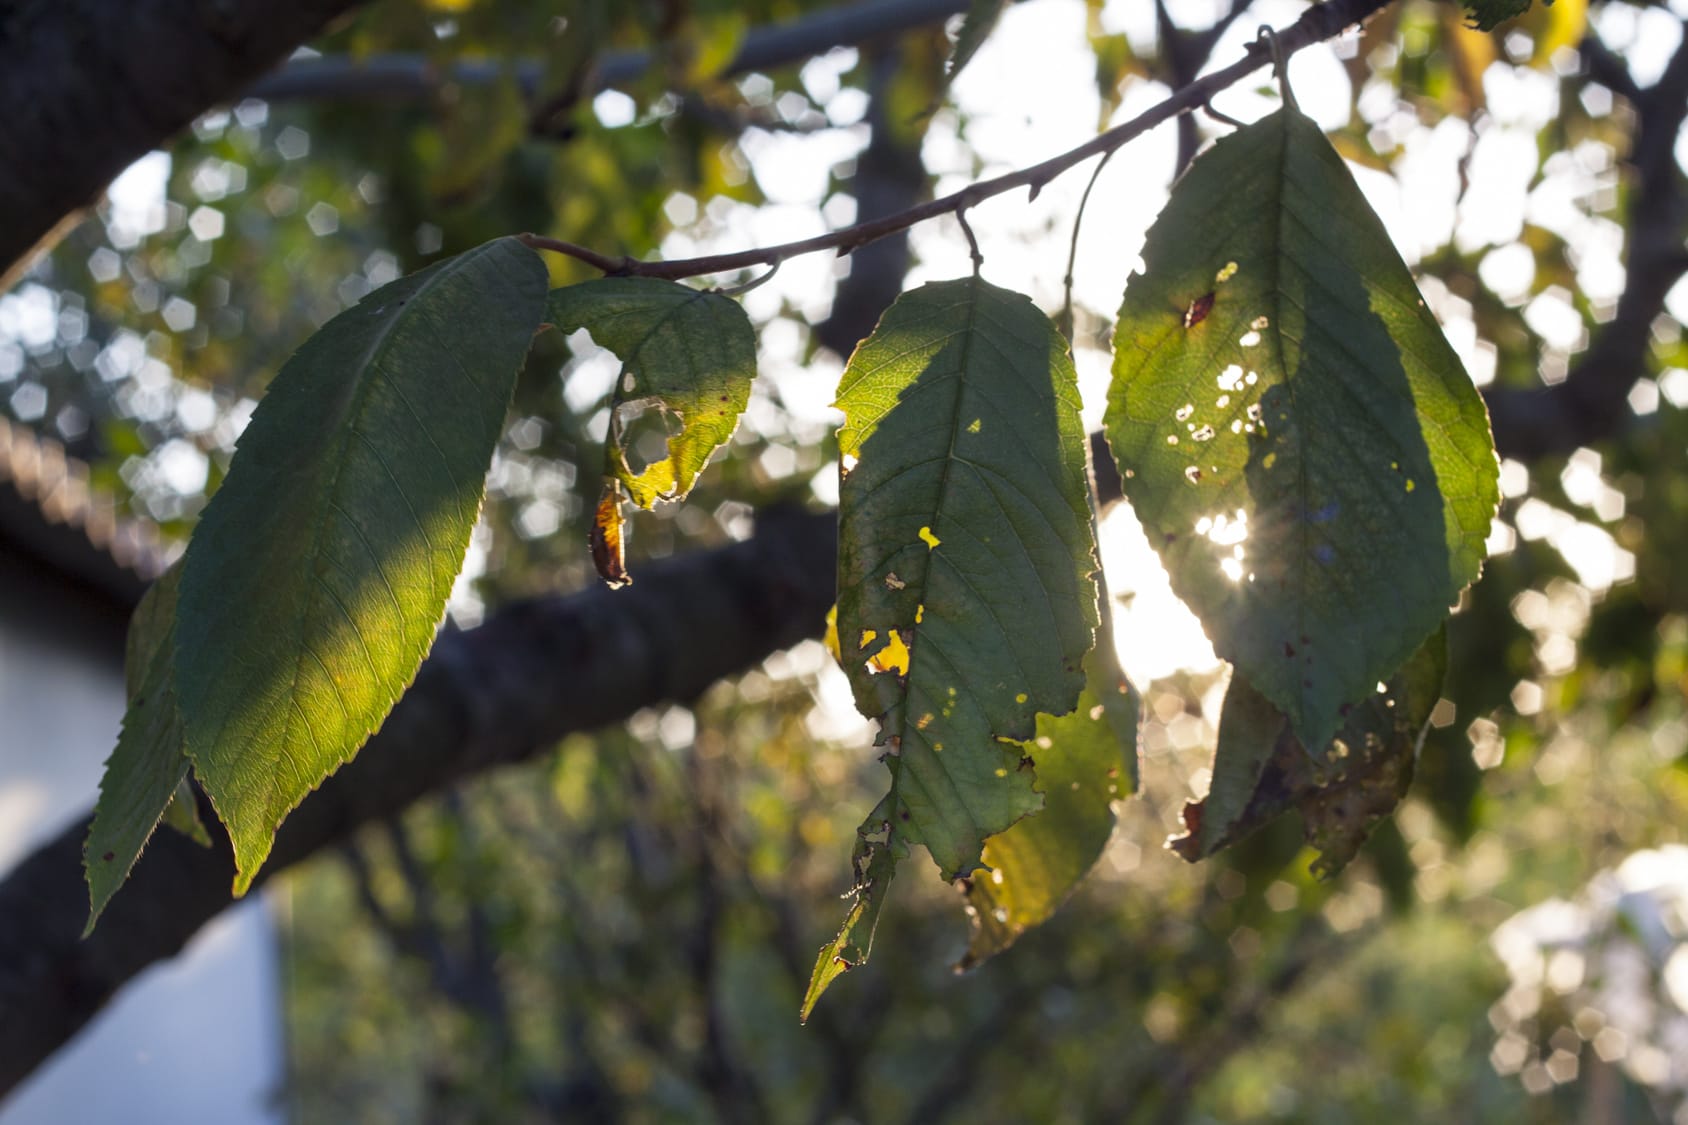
(320, 570)
(1300, 440)
(877, 853)
(966, 596)
(689, 353)
(1085, 760)
(1260, 770)
(966, 590)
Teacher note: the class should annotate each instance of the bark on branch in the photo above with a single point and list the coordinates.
(486, 697)
(89, 87)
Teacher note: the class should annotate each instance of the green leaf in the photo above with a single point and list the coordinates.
(878, 850)
(1486, 15)
(320, 569)
(1260, 770)
(1296, 434)
(966, 599)
(976, 26)
(688, 353)
(182, 813)
(1085, 762)
(147, 767)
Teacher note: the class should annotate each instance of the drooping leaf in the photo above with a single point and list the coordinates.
(1261, 771)
(966, 601)
(605, 538)
(321, 568)
(688, 354)
(182, 813)
(1086, 760)
(1250, 729)
(878, 850)
(976, 26)
(144, 772)
(1298, 438)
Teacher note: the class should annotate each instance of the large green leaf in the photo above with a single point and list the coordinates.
(1298, 437)
(966, 596)
(319, 571)
(1086, 760)
(966, 601)
(145, 771)
(689, 353)
(1260, 769)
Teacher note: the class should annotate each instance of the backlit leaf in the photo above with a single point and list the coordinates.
(1086, 760)
(966, 596)
(878, 850)
(1260, 770)
(687, 354)
(965, 554)
(1299, 439)
(320, 570)
(144, 772)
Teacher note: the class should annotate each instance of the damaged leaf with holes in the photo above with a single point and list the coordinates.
(1085, 761)
(966, 590)
(1300, 441)
(874, 863)
(688, 359)
(1260, 769)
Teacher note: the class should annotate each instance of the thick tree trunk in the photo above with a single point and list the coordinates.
(485, 697)
(88, 87)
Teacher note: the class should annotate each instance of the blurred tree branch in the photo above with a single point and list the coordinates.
(486, 697)
(411, 76)
(1593, 401)
(91, 87)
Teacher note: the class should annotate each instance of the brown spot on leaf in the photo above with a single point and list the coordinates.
(1198, 310)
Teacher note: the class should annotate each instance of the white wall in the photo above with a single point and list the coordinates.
(196, 1039)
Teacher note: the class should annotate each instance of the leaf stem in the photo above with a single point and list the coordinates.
(972, 241)
(1318, 23)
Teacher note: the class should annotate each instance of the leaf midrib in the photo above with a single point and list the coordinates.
(916, 647)
(1277, 214)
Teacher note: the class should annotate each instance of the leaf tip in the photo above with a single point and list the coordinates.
(829, 966)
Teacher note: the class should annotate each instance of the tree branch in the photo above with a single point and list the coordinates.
(486, 697)
(411, 76)
(1318, 23)
(89, 87)
(1593, 401)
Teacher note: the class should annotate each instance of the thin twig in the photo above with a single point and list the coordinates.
(1066, 321)
(741, 290)
(1318, 23)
